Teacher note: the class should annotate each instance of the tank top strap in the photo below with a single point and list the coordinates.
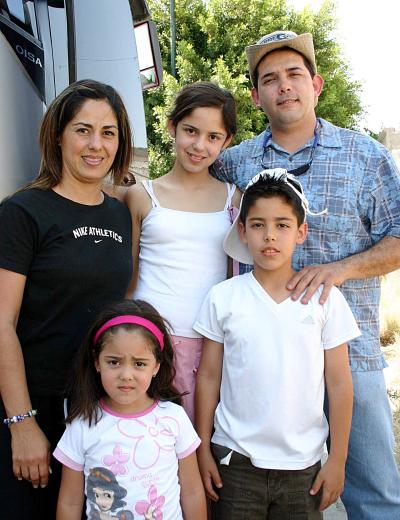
(232, 215)
(230, 188)
(148, 186)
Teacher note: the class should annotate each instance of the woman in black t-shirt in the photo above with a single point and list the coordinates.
(65, 249)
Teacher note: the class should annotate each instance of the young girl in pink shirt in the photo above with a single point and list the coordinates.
(127, 444)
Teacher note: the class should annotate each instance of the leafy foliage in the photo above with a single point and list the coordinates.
(210, 41)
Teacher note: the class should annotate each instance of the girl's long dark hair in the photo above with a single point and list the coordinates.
(86, 390)
(205, 94)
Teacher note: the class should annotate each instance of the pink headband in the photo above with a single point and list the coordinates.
(135, 320)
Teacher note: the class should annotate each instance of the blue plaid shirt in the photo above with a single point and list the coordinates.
(356, 179)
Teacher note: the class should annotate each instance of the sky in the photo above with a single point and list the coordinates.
(369, 35)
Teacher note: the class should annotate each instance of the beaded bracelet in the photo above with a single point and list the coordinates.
(19, 418)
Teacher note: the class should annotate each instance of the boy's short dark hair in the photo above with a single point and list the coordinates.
(267, 187)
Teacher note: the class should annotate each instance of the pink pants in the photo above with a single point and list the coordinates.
(187, 352)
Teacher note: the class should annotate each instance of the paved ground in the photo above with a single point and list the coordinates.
(335, 512)
(392, 376)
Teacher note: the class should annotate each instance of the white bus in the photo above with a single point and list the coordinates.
(46, 45)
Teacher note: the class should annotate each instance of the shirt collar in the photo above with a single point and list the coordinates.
(328, 137)
(258, 144)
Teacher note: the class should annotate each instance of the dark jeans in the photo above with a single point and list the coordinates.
(251, 493)
(19, 500)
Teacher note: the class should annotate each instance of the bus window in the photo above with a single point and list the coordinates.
(148, 54)
(18, 25)
(22, 13)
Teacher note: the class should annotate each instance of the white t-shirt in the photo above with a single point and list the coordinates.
(130, 462)
(272, 388)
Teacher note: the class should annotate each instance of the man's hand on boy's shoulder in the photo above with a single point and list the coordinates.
(209, 472)
(313, 276)
(330, 479)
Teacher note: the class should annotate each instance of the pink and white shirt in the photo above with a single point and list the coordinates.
(130, 462)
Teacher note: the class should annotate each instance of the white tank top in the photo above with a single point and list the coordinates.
(180, 259)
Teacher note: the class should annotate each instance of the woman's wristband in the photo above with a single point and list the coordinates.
(19, 418)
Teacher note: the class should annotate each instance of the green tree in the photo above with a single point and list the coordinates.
(211, 37)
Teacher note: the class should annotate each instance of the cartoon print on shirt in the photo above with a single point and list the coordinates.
(105, 496)
(116, 461)
(150, 439)
(151, 509)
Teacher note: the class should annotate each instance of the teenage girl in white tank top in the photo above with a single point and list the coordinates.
(180, 220)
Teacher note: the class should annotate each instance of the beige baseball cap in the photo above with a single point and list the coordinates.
(302, 43)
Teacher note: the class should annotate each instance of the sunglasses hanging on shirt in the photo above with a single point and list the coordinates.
(300, 170)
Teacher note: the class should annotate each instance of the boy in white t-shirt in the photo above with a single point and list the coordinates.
(261, 378)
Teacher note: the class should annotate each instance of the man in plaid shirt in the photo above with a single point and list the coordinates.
(357, 181)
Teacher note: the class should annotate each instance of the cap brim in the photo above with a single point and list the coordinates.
(233, 246)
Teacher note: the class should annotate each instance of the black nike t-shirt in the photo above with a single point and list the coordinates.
(76, 258)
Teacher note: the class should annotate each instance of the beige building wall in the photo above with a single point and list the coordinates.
(140, 164)
(390, 138)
